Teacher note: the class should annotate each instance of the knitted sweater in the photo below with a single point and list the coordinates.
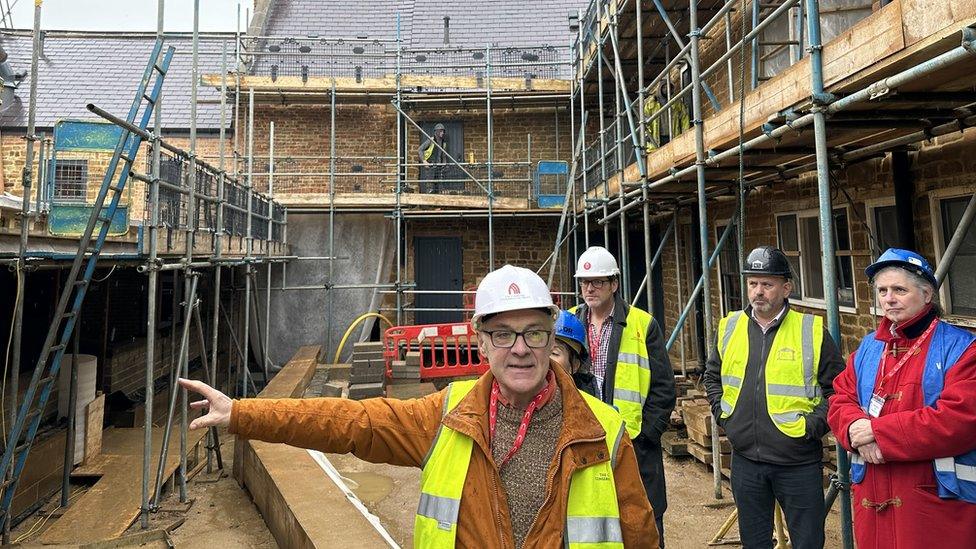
(524, 475)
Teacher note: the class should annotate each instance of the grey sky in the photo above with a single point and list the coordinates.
(128, 15)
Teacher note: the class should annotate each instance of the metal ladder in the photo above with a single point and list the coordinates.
(45, 375)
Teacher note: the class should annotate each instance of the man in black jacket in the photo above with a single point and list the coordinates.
(626, 345)
(768, 379)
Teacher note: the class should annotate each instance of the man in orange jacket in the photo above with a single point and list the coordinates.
(518, 458)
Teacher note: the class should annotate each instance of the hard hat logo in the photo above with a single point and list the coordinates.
(586, 266)
(513, 289)
(757, 264)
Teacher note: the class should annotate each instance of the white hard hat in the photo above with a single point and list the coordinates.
(510, 289)
(596, 261)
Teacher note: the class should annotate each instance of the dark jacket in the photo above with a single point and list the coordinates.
(657, 406)
(438, 157)
(750, 429)
(586, 382)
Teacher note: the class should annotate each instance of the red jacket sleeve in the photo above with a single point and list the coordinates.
(948, 429)
(844, 407)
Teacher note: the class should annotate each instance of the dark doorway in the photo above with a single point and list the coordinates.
(438, 267)
(445, 176)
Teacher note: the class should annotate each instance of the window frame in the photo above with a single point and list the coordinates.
(719, 227)
(60, 185)
(936, 197)
(870, 205)
(804, 300)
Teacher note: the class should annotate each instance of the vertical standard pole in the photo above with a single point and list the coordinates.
(401, 160)
(267, 296)
(152, 285)
(828, 259)
(703, 214)
(191, 227)
(491, 153)
(619, 90)
(249, 240)
(215, 323)
(755, 45)
(603, 131)
(25, 216)
(581, 161)
(332, 172)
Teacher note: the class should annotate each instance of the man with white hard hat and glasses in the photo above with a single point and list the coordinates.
(516, 458)
(631, 366)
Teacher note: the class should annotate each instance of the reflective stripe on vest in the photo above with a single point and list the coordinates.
(592, 514)
(429, 151)
(632, 377)
(791, 369)
(956, 476)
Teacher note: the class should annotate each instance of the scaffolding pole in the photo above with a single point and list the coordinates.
(401, 159)
(828, 259)
(25, 221)
(703, 216)
(153, 283)
(249, 240)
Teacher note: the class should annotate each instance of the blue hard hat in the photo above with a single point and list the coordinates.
(906, 259)
(570, 328)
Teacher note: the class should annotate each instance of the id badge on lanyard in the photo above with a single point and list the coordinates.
(877, 403)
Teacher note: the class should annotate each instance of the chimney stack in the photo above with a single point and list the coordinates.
(447, 30)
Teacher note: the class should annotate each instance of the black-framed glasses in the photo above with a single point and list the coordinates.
(597, 284)
(505, 339)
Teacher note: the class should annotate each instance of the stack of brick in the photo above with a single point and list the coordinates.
(368, 371)
(406, 371)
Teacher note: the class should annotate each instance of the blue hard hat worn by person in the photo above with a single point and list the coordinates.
(571, 351)
(906, 259)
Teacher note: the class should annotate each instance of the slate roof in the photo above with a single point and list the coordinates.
(473, 23)
(104, 69)
(515, 24)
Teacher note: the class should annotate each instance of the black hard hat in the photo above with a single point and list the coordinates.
(769, 261)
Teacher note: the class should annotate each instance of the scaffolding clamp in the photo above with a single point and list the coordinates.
(879, 89)
(151, 265)
(969, 39)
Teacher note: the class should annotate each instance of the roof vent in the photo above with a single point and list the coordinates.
(420, 58)
(305, 48)
(529, 56)
(447, 29)
(359, 50)
(274, 48)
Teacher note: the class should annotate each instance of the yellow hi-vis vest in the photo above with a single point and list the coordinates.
(632, 378)
(429, 151)
(791, 368)
(592, 514)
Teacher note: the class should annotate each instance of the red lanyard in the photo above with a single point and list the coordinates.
(536, 403)
(885, 378)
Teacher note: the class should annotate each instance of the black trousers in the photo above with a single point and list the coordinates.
(797, 488)
(650, 462)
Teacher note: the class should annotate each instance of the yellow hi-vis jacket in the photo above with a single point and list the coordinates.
(632, 376)
(429, 151)
(791, 368)
(592, 514)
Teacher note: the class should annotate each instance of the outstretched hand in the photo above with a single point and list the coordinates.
(218, 403)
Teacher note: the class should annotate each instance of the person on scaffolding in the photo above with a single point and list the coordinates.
(569, 351)
(518, 457)
(631, 366)
(905, 407)
(768, 379)
(434, 159)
